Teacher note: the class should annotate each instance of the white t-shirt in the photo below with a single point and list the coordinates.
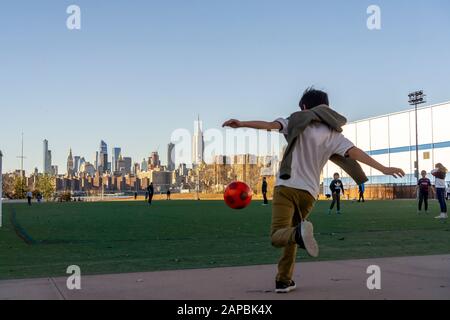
(438, 183)
(314, 147)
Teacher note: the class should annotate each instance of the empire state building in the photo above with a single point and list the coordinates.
(198, 144)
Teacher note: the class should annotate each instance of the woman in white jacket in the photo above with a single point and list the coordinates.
(448, 191)
(439, 174)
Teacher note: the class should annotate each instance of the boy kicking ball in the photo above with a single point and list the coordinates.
(314, 136)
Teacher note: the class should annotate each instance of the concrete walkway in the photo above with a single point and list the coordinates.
(401, 278)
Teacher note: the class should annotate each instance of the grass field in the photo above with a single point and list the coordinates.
(117, 237)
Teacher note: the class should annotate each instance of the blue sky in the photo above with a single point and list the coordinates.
(137, 70)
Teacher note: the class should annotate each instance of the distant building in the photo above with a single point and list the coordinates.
(70, 164)
(124, 165)
(47, 159)
(136, 168)
(82, 160)
(102, 161)
(182, 169)
(170, 157)
(391, 140)
(76, 161)
(144, 165)
(128, 164)
(87, 168)
(115, 158)
(162, 180)
(222, 160)
(96, 160)
(198, 144)
(154, 161)
(54, 171)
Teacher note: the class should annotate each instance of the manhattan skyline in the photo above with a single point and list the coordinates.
(134, 73)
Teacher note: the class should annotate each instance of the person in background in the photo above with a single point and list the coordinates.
(29, 197)
(264, 191)
(336, 186)
(362, 189)
(423, 186)
(168, 194)
(448, 191)
(150, 191)
(135, 195)
(39, 197)
(439, 177)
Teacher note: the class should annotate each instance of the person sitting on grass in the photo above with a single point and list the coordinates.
(314, 136)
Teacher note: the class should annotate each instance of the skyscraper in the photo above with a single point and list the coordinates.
(47, 163)
(115, 158)
(154, 161)
(197, 144)
(102, 161)
(70, 164)
(82, 160)
(54, 170)
(128, 162)
(144, 165)
(136, 168)
(76, 160)
(124, 165)
(170, 157)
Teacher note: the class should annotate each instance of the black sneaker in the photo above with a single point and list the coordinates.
(282, 287)
(304, 236)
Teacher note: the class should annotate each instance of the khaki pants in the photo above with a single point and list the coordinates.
(289, 207)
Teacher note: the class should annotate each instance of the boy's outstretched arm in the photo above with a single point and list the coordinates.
(262, 125)
(359, 155)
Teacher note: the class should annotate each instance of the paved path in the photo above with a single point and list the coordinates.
(401, 278)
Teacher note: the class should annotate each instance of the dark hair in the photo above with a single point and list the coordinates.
(312, 98)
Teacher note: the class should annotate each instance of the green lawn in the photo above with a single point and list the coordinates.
(130, 237)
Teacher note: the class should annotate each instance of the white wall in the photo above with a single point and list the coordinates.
(398, 131)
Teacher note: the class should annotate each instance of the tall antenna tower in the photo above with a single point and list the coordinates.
(21, 157)
(22, 173)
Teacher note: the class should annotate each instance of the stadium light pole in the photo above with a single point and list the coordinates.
(1, 188)
(415, 99)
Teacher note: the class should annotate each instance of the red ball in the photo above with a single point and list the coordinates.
(238, 195)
